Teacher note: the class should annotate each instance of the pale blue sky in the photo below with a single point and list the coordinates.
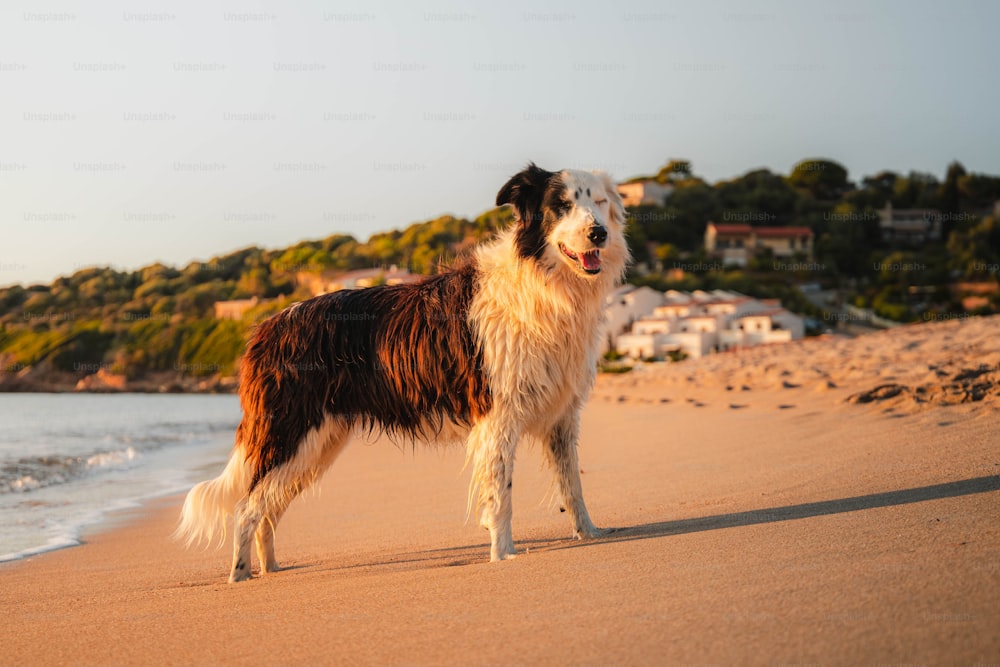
(174, 131)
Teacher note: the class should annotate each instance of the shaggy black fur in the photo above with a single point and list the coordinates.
(540, 199)
(400, 358)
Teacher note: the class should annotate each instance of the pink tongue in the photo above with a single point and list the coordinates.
(591, 260)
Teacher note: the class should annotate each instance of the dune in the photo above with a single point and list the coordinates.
(829, 501)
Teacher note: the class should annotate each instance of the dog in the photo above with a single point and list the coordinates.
(500, 347)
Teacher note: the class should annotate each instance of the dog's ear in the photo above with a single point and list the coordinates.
(525, 191)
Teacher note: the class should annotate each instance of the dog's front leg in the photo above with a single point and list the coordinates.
(560, 451)
(492, 450)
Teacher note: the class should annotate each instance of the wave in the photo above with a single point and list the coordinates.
(21, 473)
(68, 460)
(36, 472)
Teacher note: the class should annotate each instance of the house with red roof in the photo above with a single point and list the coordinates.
(738, 243)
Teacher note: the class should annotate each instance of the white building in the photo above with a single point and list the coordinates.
(700, 323)
(624, 306)
(234, 310)
(912, 225)
(334, 281)
(645, 193)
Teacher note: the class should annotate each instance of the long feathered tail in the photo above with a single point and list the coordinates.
(209, 504)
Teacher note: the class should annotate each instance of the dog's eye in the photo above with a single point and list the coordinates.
(601, 202)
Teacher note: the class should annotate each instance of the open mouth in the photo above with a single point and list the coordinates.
(589, 261)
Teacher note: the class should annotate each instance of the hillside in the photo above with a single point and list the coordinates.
(156, 325)
(158, 322)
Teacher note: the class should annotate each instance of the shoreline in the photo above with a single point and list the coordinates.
(69, 462)
(32, 380)
(114, 517)
(111, 519)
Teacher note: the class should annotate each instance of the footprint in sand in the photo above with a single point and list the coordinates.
(785, 406)
(737, 406)
(879, 393)
(789, 385)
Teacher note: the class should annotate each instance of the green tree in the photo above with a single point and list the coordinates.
(83, 349)
(823, 179)
(979, 190)
(950, 191)
(675, 170)
(973, 251)
(759, 191)
(950, 196)
(883, 182)
(916, 190)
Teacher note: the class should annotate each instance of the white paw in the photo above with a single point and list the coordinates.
(241, 570)
(507, 553)
(590, 532)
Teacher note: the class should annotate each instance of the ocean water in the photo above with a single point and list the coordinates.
(68, 460)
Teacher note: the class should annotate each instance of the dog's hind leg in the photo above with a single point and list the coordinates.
(316, 453)
(264, 538)
(560, 452)
(277, 501)
(246, 518)
(492, 450)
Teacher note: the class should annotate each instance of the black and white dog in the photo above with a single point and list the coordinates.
(502, 347)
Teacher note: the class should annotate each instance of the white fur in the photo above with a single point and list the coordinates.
(540, 328)
(208, 505)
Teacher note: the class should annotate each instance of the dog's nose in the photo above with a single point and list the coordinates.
(598, 234)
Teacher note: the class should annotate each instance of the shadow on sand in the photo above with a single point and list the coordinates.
(478, 553)
(964, 487)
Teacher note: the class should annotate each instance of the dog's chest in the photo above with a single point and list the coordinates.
(543, 365)
(538, 336)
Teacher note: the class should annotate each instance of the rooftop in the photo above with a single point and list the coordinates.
(770, 232)
(731, 229)
(763, 313)
(783, 231)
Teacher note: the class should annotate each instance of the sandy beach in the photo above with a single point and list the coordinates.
(831, 501)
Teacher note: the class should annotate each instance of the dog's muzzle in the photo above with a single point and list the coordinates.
(598, 235)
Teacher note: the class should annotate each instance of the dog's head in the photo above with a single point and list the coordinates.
(568, 221)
